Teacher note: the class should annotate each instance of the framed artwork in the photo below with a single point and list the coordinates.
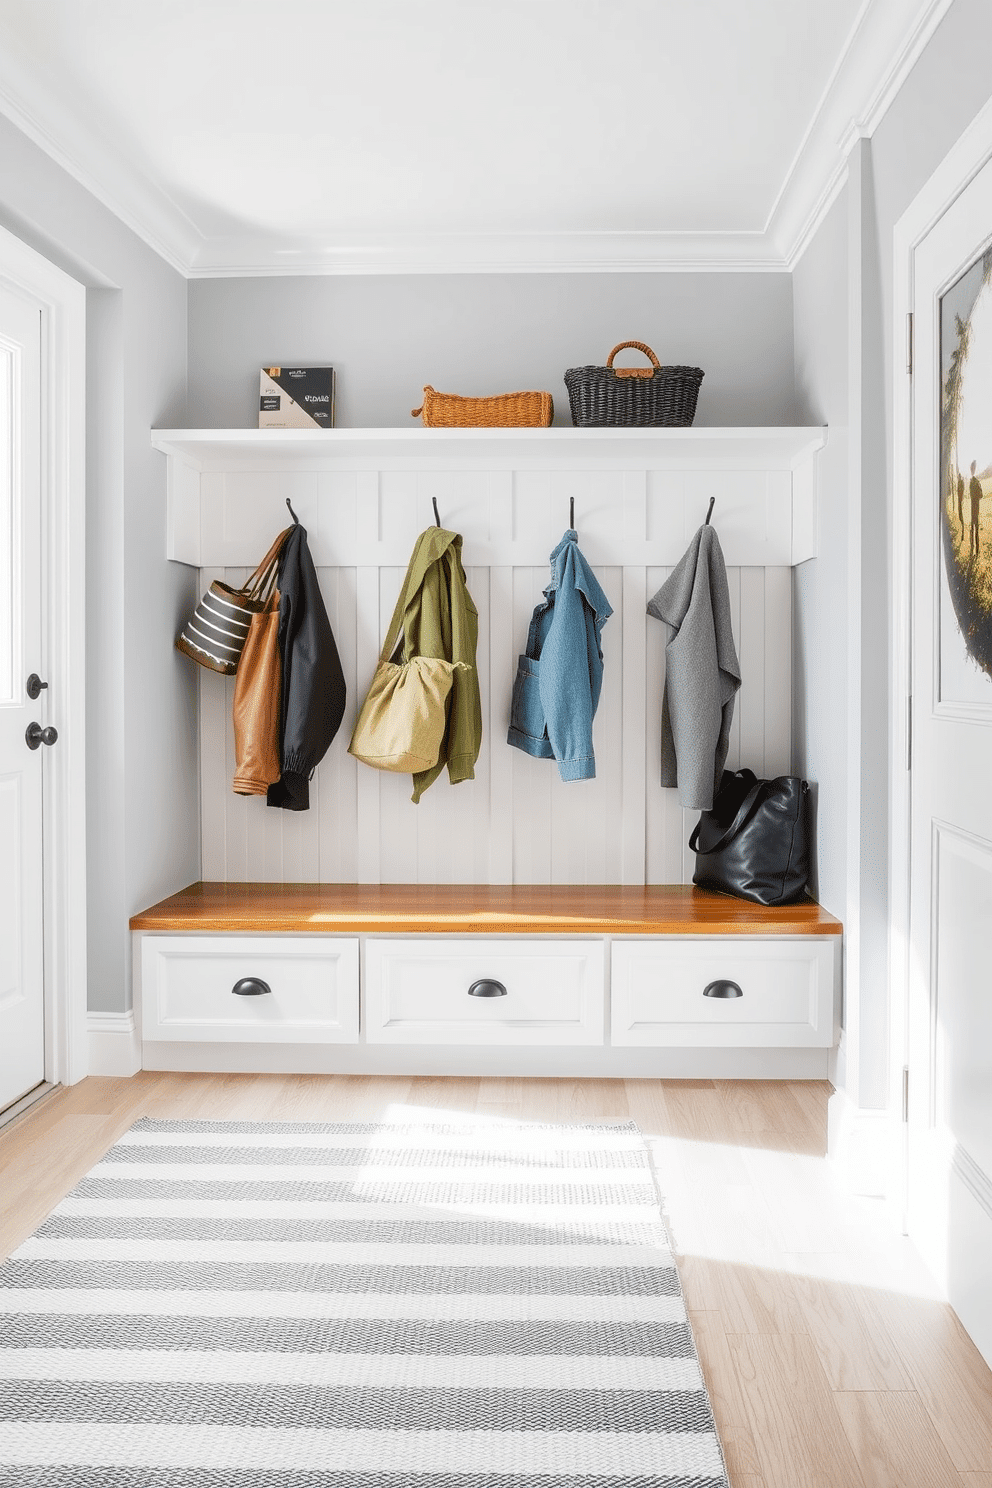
(965, 488)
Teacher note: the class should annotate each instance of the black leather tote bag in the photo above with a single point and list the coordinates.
(755, 842)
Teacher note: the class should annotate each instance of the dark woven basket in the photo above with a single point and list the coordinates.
(628, 396)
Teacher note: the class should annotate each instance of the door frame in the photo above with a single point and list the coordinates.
(971, 153)
(62, 302)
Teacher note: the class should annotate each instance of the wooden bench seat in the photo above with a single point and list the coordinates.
(478, 909)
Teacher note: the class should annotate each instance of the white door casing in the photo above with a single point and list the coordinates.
(22, 1002)
(943, 818)
(58, 305)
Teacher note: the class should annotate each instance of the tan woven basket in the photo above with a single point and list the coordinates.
(504, 411)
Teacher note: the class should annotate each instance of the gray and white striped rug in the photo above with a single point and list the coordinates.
(279, 1305)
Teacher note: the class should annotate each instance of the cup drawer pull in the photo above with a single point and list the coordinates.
(722, 988)
(251, 987)
(487, 988)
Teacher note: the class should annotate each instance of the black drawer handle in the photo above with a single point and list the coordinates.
(487, 988)
(251, 987)
(722, 989)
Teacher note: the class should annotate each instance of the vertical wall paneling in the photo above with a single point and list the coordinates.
(517, 821)
(777, 652)
(367, 643)
(633, 625)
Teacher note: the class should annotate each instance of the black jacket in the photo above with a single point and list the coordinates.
(313, 690)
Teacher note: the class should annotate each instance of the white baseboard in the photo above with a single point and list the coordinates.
(114, 1044)
(559, 1063)
(868, 1148)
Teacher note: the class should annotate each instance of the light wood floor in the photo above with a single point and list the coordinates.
(830, 1360)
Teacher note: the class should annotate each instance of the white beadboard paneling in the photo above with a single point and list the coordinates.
(632, 809)
(503, 653)
(750, 709)
(517, 821)
(367, 643)
(778, 671)
(734, 743)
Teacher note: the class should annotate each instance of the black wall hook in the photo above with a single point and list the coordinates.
(292, 513)
(437, 519)
(710, 511)
(571, 512)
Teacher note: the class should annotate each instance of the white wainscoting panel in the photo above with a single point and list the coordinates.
(516, 822)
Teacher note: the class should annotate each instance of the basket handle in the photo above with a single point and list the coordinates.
(633, 371)
(416, 412)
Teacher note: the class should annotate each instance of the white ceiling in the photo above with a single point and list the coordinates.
(290, 136)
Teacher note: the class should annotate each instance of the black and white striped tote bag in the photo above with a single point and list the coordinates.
(216, 631)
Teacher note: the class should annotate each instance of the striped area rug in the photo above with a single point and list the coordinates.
(278, 1305)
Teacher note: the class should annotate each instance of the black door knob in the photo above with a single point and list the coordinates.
(34, 686)
(34, 735)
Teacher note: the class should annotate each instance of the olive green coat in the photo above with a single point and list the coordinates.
(440, 620)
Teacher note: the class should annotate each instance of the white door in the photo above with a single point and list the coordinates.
(950, 1024)
(22, 769)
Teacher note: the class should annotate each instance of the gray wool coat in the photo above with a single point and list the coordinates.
(702, 673)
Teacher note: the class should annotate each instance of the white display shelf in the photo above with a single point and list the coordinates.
(364, 493)
(319, 449)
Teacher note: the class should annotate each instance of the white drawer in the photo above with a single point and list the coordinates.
(417, 991)
(789, 989)
(187, 982)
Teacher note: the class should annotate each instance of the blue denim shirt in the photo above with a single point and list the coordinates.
(559, 681)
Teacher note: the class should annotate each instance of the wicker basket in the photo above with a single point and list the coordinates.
(627, 396)
(504, 411)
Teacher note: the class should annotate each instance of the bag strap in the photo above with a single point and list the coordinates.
(259, 584)
(734, 827)
(396, 623)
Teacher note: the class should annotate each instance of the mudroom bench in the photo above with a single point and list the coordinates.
(561, 979)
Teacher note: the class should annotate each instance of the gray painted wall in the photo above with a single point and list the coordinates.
(487, 333)
(142, 766)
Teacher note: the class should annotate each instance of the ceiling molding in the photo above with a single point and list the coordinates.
(878, 57)
(492, 253)
(880, 51)
(95, 165)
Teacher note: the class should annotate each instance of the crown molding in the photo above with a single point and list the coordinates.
(879, 55)
(92, 161)
(497, 253)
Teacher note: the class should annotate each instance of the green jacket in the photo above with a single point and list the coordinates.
(440, 620)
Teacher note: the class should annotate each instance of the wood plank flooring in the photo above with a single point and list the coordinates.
(831, 1361)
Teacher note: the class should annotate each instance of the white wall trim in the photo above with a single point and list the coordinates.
(880, 53)
(491, 253)
(957, 170)
(63, 304)
(114, 1044)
